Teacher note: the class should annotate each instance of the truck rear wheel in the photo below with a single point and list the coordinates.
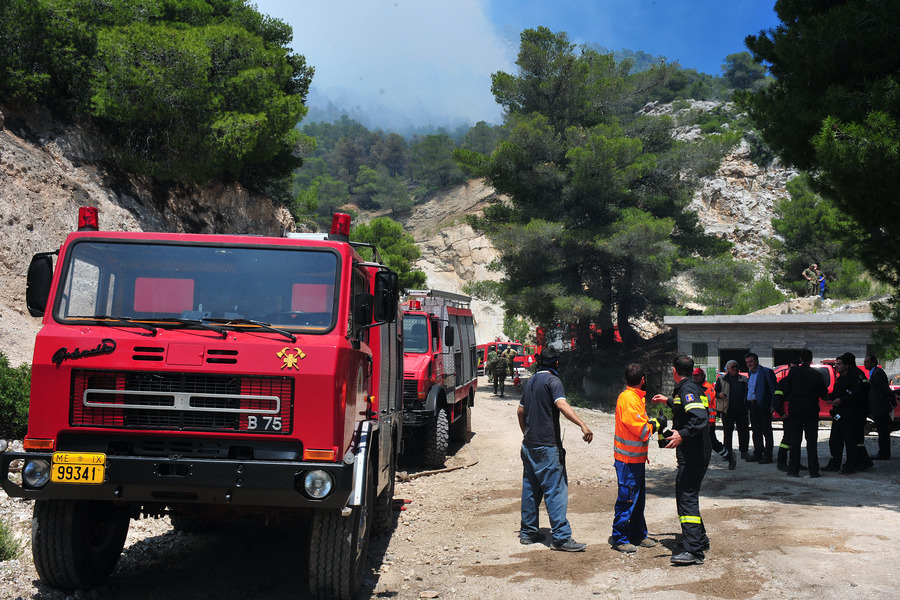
(76, 544)
(437, 435)
(337, 549)
(461, 429)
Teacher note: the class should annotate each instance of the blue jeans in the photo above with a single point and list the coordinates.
(543, 476)
(629, 525)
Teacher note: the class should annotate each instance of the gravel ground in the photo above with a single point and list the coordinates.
(772, 536)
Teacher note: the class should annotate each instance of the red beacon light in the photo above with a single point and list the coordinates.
(415, 305)
(340, 227)
(87, 219)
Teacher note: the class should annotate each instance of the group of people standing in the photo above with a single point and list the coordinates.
(744, 402)
(815, 281)
(543, 457)
(857, 393)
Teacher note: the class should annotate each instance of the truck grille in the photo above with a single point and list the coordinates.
(410, 392)
(182, 401)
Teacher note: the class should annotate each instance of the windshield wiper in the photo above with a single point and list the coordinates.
(260, 324)
(122, 320)
(198, 323)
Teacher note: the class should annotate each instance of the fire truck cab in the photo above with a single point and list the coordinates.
(207, 377)
(439, 380)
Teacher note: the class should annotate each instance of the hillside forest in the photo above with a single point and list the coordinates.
(591, 225)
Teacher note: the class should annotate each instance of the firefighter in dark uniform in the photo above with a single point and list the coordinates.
(801, 389)
(690, 438)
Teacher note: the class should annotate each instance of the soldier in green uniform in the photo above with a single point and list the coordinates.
(499, 368)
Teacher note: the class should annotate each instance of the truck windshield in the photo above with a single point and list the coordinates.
(233, 285)
(415, 334)
(503, 346)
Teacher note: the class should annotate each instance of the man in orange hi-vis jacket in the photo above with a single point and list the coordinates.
(632, 437)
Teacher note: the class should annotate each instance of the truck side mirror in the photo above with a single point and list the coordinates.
(362, 309)
(37, 290)
(387, 296)
(449, 335)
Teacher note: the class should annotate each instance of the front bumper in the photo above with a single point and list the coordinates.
(136, 479)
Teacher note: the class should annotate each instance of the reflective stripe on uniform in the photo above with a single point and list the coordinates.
(622, 440)
(694, 406)
(632, 454)
(689, 519)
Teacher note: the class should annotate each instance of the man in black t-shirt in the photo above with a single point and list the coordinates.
(543, 457)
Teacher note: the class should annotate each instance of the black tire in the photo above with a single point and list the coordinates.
(76, 544)
(337, 549)
(437, 436)
(461, 429)
(383, 508)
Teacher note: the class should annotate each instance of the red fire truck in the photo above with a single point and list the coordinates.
(208, 377)
(521, 362)
(439, 380)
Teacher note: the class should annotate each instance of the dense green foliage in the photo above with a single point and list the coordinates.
(811, 230)
(741, 72)
(733, 287)
(15, 385)
(185, 89)
(381, 171)
(596, 225)
(396, 248)
(833, 110)
(516, 329)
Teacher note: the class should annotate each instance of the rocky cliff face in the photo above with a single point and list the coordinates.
(737, 202)
(48, 170)
(452, 253)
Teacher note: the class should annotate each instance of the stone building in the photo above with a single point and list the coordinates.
(714, 340)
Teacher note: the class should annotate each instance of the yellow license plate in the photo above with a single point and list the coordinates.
(78, 467)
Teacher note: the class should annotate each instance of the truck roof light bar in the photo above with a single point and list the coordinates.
(87, 219)
(340, 227)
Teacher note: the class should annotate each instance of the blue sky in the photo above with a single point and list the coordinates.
(429, 62)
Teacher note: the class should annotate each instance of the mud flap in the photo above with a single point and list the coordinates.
(361, 465)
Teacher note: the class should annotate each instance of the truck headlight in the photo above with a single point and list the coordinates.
(318, 484)
(36, 473)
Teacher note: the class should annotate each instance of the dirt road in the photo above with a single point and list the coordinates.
(772, 536)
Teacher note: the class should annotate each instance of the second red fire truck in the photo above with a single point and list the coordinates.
(439, 379)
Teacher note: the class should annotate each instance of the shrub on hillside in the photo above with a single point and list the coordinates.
(15, 385)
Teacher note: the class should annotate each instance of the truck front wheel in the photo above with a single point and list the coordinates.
(437, 436)
(337, 549)
(76, 544)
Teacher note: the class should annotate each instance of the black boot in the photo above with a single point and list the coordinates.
(782, 457)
